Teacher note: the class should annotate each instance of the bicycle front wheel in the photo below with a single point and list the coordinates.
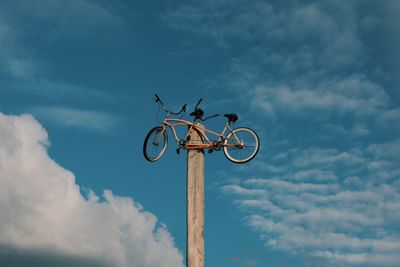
(241, 145)
(155, 144)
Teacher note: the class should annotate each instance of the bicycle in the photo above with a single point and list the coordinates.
(240, 145)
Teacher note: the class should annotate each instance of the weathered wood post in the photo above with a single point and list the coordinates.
(195, 204)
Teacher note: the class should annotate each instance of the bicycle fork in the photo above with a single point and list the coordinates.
(158, 137)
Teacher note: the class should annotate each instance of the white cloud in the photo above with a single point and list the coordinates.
(320, 224)
(75, 118)
(386, 150)
(307, 60)
(308, 65)
(390, 119)
(328, 157)
(353, 95)
(282, 185)
(314, 175)
(340, 206)
(242, 191)
(359, 130)
(43, 212)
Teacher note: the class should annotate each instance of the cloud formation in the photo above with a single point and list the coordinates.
(58, 23)
(303, 56)
(312, 77)
(355, 96)
(341, 206)
(75, 118)
(64, 19)
(45, 217)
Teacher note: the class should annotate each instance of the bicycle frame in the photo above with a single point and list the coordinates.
(172, 123)
(239, 145)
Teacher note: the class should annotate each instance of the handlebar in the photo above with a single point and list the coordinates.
(209, 117)
(198, 113)
(158, 100)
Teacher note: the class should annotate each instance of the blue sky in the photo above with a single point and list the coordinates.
(317, 80)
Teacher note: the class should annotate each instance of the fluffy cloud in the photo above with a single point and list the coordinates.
(45, 218)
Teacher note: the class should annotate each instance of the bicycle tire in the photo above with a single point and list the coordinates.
(152, 145)
(253, 143)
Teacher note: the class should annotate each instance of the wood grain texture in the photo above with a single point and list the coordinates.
(195, 205)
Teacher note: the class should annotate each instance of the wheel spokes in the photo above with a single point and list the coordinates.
(241, 145)
(157, 144)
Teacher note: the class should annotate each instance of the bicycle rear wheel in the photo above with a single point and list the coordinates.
(155, 144)
(241, 145)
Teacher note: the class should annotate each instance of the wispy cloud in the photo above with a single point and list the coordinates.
(354, 95)
(389, 119)
(310, 59)
(74, 17)
(303, 72)
(312, 73)
(350, 218)
(218, 19)
(23, 70)
(60, 91)
(75, 118)
(13, 62)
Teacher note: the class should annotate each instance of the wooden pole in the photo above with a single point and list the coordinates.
(195, 205)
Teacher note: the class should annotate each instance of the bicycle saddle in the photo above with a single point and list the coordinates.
(232, 117)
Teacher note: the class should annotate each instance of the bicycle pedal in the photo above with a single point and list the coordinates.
(178, 150)
(210, 151)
